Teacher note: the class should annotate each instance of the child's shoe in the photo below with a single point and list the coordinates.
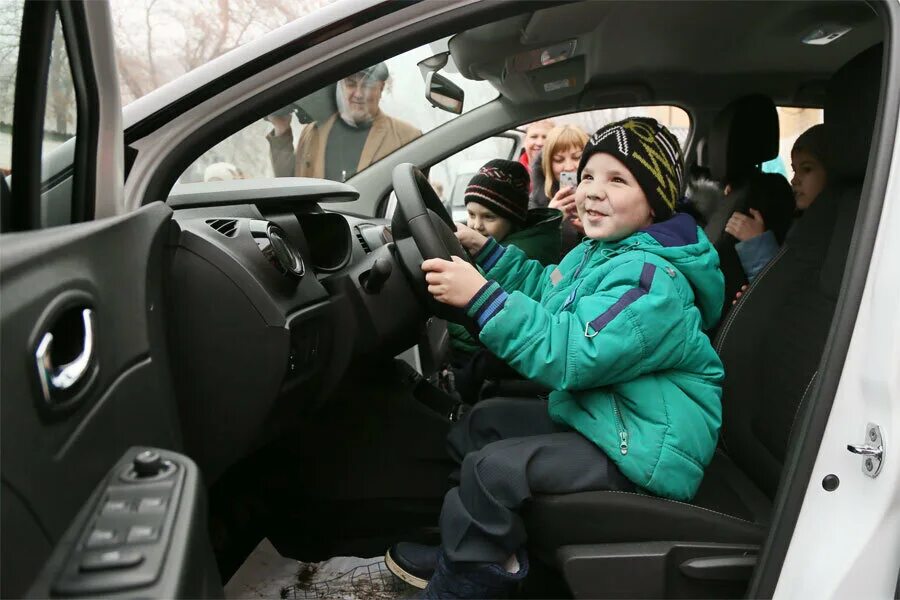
(413, 563)
(473, 580)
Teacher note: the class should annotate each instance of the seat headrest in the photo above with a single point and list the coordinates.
(851, 101)
(744, 134)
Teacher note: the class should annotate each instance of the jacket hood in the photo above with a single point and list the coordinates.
(679, 241)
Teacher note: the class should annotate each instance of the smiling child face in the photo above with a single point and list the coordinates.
(610, 203)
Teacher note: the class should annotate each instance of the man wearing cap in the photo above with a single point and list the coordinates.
(351, 139)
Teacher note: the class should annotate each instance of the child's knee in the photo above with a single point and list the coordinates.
(494, 469)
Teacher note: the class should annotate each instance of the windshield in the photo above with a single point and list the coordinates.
(159, 40)
(344, 127)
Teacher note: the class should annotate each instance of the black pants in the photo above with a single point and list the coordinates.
(470, 371)
(510, 449)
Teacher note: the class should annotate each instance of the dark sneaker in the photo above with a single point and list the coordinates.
(473, 580)
(413, 563)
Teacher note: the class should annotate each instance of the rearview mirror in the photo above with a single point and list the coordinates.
(443, 93)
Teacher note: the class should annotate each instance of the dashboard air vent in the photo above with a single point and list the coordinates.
(227, 227)
(362, 239)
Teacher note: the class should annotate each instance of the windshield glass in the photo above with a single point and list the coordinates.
(345, 126)
(159, 40)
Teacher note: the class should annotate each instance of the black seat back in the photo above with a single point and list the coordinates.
(772, 342)
(745, 135)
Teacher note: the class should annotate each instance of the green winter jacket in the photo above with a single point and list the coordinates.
(540, 240)
(617, 330)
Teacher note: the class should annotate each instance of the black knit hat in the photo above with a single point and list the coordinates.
(501, 186)
(651, 153)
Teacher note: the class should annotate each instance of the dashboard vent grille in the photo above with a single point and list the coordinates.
(362, 240)
(227, 227)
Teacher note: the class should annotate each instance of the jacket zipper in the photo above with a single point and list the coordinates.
(584, 260)
(620, 424)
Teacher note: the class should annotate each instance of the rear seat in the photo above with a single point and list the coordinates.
(745, 135)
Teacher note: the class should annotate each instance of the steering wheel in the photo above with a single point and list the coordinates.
(421, 217)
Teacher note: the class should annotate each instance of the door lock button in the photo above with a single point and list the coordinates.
(111, 559)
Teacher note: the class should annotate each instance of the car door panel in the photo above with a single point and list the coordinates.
(52, 459)
(160, 536)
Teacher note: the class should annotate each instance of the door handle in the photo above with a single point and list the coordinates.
(55, 380)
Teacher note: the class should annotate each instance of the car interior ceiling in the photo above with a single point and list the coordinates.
(360, 462)
(639, 42)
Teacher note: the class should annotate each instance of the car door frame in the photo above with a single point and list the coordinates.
(64, 446)
(864, 554)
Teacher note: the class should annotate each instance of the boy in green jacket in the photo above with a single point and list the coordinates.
(616, 330)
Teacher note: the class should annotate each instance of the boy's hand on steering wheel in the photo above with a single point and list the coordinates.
(470, 239)
(453, 283)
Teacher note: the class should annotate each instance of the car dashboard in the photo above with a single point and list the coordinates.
(270, 299)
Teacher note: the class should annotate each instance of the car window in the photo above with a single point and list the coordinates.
(157, 41)
(60, 110)
(340, 129)
(792, 121)
(450, 177)
(676, 119)
(10, 32)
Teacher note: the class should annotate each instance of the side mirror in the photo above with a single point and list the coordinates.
(443, 93)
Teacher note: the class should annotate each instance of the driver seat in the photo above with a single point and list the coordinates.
(619, 544)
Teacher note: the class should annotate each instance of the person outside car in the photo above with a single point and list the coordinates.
(358, 134)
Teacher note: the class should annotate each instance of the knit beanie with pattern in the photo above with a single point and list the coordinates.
(502, 187)
(651, 153)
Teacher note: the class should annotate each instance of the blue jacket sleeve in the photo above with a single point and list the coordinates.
(633, 324)
(756, 253)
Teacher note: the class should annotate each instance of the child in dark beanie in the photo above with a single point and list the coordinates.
(497, 205)
(616, 330)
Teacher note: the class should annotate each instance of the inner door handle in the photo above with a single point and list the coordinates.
(55, 380)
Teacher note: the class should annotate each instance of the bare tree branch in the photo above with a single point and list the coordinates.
(151, 62)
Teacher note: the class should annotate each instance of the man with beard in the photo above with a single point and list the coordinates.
(351, 139)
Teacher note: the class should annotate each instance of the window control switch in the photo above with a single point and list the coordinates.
(116, 507)
(111, 559)
(142, 533)
(153, 504)
(101, 537)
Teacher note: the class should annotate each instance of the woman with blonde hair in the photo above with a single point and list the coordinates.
(558, 162)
